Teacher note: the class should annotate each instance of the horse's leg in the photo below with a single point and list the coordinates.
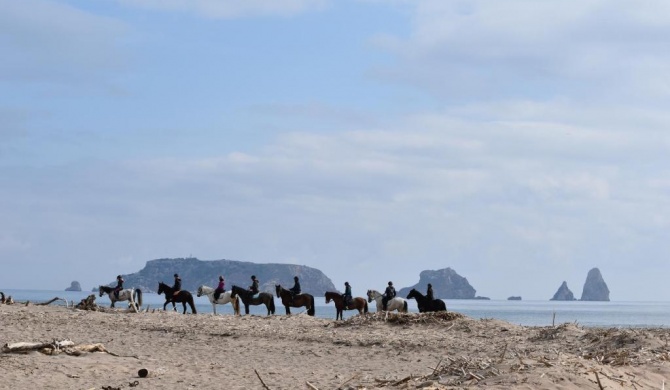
(288, 309)
(214, 307)
(165, 304)
(113, 301)
(184, 304)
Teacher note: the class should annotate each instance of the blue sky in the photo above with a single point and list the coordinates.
(519, 142)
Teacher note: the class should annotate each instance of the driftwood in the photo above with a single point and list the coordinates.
(56, 347)
(52, 301)
(261, 379)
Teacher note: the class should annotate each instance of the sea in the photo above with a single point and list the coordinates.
(528, 313)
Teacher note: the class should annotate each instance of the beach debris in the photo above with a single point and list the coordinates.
(438, 318)
(261, 379)
(56, 347)
(143, 373)
(47, 303)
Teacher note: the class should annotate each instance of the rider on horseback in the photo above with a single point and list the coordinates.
(429, 293)
(295, 290)
(388, 295)
(254, 285)
(119, 286)
(177, 284)
(220, 289)
(347, 295)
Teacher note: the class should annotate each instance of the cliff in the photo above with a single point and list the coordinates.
(195, 273)
(563, 293)
(595, 288)
(447, 284)
(74, 286)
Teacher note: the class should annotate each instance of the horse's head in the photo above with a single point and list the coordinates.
(413, 294)
(278, 288)
(329, 296)
(370, 296)
(101, 290)
(161, 287)
(199, 291)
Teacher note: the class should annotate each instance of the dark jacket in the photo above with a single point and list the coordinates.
(390, 292)
(296, 288)
(347, 291)
(429, 294)
(177, 285)
(254, 286)
(119, 284)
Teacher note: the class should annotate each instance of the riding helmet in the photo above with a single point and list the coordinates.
(220, 277)
(390, 283)
(346, 283)
(118, 277)
(295, 278)
(176, 275)
(253, 276)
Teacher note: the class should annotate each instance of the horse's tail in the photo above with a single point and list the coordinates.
(236, 305)
(192, 304)
(365, 308)
(272, 304)
(404, 307)
(138, 297)
(311, 310)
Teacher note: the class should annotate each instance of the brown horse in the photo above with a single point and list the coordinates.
(357, 303)
(299, 300)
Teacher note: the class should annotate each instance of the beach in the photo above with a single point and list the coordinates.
(408, 351)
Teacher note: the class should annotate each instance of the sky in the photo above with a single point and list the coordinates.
(520, 143)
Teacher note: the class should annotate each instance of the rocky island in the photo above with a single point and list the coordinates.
(563, 293)
(447, 284)
(595, 288)
(195, 272)
(74, 286)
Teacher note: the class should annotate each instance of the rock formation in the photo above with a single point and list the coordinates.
(74, 286)
(514, 298)
(563, 293)
(447, 284)
(195, 273)
(595, 288)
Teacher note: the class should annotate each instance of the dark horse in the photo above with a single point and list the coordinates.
(182, 296)
(425, 304)
(299, 300)
(357, 303)
(248, 298)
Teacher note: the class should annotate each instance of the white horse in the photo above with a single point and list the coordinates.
(396, 303)
(133, 295)
(223, 299)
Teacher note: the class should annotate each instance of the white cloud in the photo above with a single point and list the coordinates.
(227, 9)
(50, 41)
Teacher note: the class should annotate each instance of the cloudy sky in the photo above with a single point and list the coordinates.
(518, 142)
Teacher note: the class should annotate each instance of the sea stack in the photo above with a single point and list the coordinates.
(595, 288)
(563, 293)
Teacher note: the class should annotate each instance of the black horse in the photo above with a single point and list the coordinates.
(182, 296)
(299, 300)
(248, 298)
(425, 304)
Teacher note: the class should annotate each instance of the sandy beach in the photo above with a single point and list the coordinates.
(409, 351)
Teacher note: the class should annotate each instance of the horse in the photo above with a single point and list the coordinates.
(357, 303)
(248, 298)
(224, 298)
(425, 304)
(134, 295)
(396, 303)
(182, 296)
(299, 300)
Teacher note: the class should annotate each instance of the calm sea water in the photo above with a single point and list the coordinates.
(539, 313)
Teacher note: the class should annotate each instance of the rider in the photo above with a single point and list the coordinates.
(119, 286)
(388, 295)
(347, 294)
(254, 285)
(177, 284)
(295, 290)
(429, 293)
(220, 289)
